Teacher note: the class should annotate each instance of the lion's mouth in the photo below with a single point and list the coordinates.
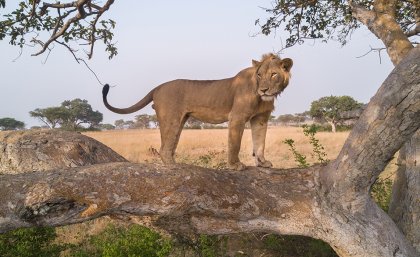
(268, 97)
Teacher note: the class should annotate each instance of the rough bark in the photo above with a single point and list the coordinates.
(381, 22)
(405, 203)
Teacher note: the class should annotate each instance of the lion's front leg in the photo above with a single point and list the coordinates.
(259, 132)
(236, 130)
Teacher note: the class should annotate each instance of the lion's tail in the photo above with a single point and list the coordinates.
(139, 105)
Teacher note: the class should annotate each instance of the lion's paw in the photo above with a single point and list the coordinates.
(237, 166)
(264, 164)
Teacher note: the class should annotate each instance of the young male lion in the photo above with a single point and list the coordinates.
(248, 96)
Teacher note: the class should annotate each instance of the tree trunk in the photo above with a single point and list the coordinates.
(333, 126)
(381, 22)
(330, 202)
(405, 202)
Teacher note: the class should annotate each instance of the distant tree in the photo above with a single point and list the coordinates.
(154, 120)
(301, 117)
(328, 108)
(106, 126)
(80, 112)
(119, 124)
(51, 116)
(193, 123)
(11, 124)
(286, 118)
(70, 115)
(129, 124)
(142, 121)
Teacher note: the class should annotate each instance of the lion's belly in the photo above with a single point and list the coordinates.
(210, 115)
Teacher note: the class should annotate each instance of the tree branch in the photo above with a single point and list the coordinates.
(390, 119)
(182, 198)
(382, 23)
(414, 32)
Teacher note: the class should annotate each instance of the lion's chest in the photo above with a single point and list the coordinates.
(264, 107)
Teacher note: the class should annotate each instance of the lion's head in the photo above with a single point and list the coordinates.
(272, 75)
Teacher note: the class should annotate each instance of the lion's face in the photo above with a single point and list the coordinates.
(272, 75)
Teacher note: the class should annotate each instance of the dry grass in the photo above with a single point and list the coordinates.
(208, 147)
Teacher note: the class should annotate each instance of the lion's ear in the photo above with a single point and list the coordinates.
(287, 64)
(256, 63)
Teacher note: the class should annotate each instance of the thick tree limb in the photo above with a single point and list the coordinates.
(390, 119)
(181, 197)
(186, 199)
(381, 22)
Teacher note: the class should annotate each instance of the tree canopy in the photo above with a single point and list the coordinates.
(11, 124)
(70, 115)
(329, 108)
(336, 20)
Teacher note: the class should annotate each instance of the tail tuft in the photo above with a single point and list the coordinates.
(105, 90)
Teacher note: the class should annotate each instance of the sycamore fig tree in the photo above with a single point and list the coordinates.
(329, 108)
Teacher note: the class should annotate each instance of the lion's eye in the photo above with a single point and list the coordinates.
(259, 75)
(273, 75)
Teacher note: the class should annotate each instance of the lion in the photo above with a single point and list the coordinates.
(248, 96)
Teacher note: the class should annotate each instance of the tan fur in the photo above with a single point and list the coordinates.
(238, 99)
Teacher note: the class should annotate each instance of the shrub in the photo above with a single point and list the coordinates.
(124, 242)
(29, 242)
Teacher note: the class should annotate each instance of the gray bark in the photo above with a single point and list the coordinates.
(405, 202)
(330, 202)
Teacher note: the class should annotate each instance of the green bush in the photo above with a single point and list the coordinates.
(327, 127)
(29, 242)
(211, 246)
(134, 241)
(381, 192)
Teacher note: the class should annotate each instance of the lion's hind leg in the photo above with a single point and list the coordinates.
(170, 131)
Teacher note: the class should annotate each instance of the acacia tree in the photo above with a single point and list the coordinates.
(329, 202)
(142, 121)
(119, 124)
(69, 115)
(11, 124)
(80, 112)
(329, 108)
(51, 116)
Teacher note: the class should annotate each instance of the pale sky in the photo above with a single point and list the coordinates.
(159, 41)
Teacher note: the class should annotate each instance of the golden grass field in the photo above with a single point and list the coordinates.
(208, 147)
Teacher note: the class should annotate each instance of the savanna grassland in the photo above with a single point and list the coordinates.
(207, 147)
